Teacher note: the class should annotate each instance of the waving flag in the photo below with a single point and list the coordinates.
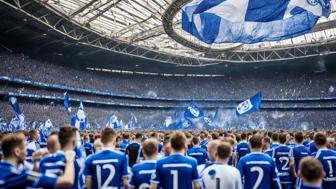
(193, 112)
(113, 122)
(18, 121)
(249, 105)
(67, 103)
(251, 21)
(80, 120)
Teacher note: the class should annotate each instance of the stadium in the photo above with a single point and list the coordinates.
(207, 68)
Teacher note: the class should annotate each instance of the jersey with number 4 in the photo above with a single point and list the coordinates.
(328, 160)
(282, 155)
(176, 171)
(258, 171)
(141, 174)
(106, 168)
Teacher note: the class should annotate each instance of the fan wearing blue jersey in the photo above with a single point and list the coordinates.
(88, 146)
(55, 162)
(177, 170)
(197, 152)
(124, 143)
(283, 156)
(14, 153)
(34, 144)
(328, 159)
(133, 149)
(311, 172)
(243, 147)
(257, 169)
(220, 175)
(266, 146)
(107, 168)
(141, 173)
(299, 151)
(275, 140)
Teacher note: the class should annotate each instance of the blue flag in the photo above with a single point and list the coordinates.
(113, 122)
(251, 21)
(249, 105)
(67, 103)
(15, 105)
(193, 111)
(19, 121)
(80, 120)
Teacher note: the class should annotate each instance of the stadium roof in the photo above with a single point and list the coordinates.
(151, 30)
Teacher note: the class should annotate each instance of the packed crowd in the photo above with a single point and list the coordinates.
(190, 159)
(288, 85)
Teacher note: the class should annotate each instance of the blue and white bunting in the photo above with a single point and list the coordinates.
(251, 21)
(249, 105)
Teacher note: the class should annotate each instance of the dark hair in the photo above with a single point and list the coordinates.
(311, 168)
(10, 142)
(138, 136)
(298, 136)
(267, 140)
(282, 138)
(224, 150)
(125, 136)
(150, 147)
(256, 141)
(195, 140)
(320, 139)
(108, 135)
(275, 136)
(65, 135)
(243, 136)
(32, 132)
(178, 140)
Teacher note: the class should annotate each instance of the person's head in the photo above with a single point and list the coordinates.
(266, 143)
(53, 144)
(67, 138)
(150, 149)
(14, 148)
(86, 138)
(224, 151)
(282, 138)
(178, 142)
(320, 140)
(138, 136)
(195, 141)
(34, 135)
(243, 136)
(108, 136)
(125, 136)
(212, 149)
(154, 135)
(275, 137)
(256, 142)
(97, 145)
(166, 146)
(298, 136)
(311, 171)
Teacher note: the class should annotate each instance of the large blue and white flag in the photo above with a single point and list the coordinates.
(19, 121)
(80, 120)
(113, 122)
(67, 103)
(193, 111)
(251, 21)
(249, 105)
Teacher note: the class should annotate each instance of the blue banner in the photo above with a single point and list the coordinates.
(251, 21)
(249, 105)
